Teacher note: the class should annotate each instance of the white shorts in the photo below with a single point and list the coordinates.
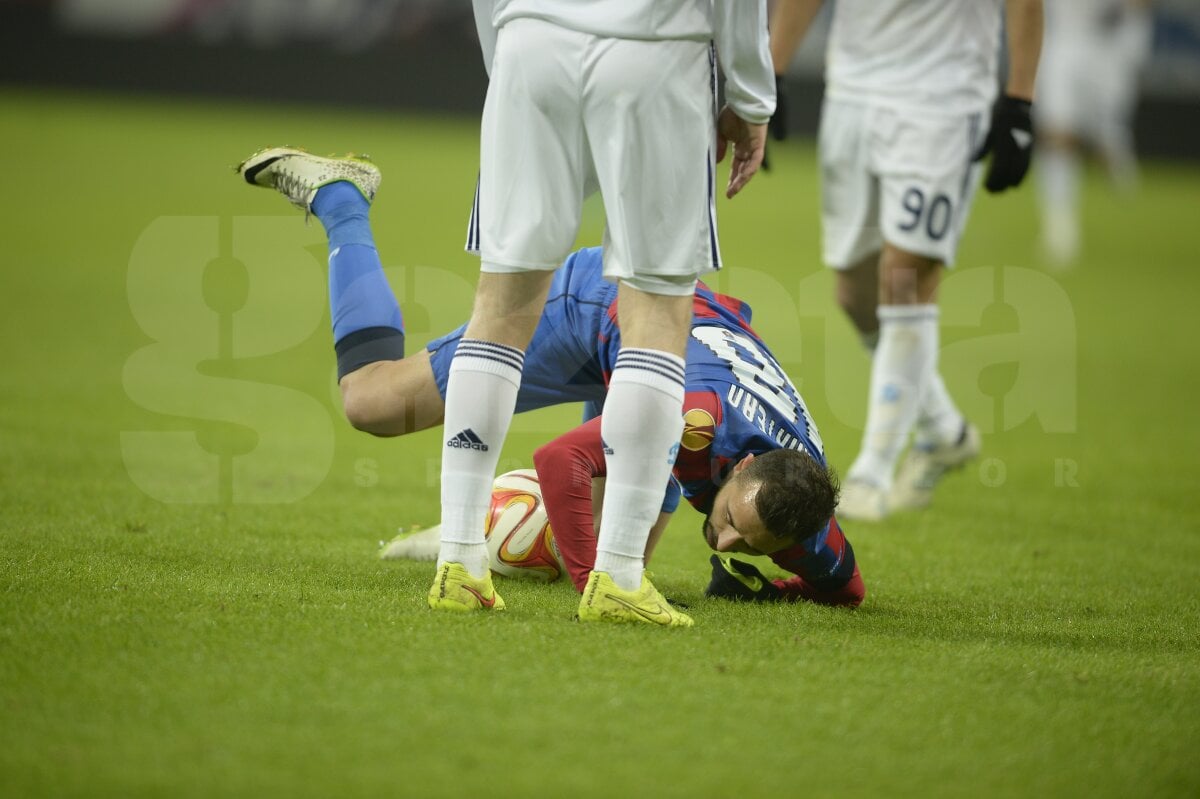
(568, 112)
(904, 178)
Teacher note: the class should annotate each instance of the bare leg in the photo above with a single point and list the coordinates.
(654, 321)
(907, 278)
(857, 291)
(508, 307)
(904, 366)
(393, 398)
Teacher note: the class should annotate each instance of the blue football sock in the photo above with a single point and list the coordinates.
(367, 325)
(343, 211)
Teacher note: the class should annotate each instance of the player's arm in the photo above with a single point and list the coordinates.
(568, 468)
(740, 581)
(740, 33)
(1009, 141)
(656, 532)
(826, 571)
(824, 568)
(1024, 23)
(790, 22)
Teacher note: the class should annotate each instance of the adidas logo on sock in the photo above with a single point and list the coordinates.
(467, 440)
(607, 449)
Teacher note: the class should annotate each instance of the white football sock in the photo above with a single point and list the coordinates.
(640, 427)
(1058, 182)
(900, 372)
(481, 394)
(939, 422)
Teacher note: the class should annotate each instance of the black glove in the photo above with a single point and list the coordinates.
(777, 124)
(732, 579)
(1010, 142)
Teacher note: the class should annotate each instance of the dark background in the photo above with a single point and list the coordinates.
(411, 55)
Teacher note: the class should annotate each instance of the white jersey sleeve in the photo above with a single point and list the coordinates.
(740, 34)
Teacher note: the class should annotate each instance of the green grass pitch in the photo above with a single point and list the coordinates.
(190, 603)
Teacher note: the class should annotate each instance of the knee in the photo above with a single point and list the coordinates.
(859, 304)
(360, 417)
(362, 414)
(908, 278)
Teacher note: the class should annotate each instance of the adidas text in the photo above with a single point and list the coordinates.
(467, 440)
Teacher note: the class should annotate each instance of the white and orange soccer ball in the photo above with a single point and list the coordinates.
(520, 541)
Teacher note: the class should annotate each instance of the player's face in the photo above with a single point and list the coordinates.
(734, 524)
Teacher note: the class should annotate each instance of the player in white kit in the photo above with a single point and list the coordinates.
(619, 95)
(1087, 90)
(909, 84)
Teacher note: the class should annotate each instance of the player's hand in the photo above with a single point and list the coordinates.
(1010, 143)
(748, 140)
(733, 579)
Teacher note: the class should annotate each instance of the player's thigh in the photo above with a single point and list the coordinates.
(849, 191)
(648, 113)
(928, 181)
(533, 161)
(557, 370)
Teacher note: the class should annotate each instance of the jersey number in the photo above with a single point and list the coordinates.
(937, 220)
(759, 372)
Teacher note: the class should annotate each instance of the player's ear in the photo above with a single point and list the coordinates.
(743, 463)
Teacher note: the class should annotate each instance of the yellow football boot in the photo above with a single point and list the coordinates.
(603, 600)
(456, 590)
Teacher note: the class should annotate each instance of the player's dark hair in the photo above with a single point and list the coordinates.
(797, 495)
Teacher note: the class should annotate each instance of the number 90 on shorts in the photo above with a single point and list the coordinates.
(889, 176)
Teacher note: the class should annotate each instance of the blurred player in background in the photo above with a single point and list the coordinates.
(905, 118)
(618, 94)
(1087, 93)
(749, 458)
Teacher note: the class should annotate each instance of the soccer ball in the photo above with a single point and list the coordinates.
(519, 540)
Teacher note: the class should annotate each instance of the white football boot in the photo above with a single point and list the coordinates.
(413, 544)
(862, 501)
(924, 467)
(297, 174)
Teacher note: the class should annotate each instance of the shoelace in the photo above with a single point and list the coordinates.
(291, 184)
